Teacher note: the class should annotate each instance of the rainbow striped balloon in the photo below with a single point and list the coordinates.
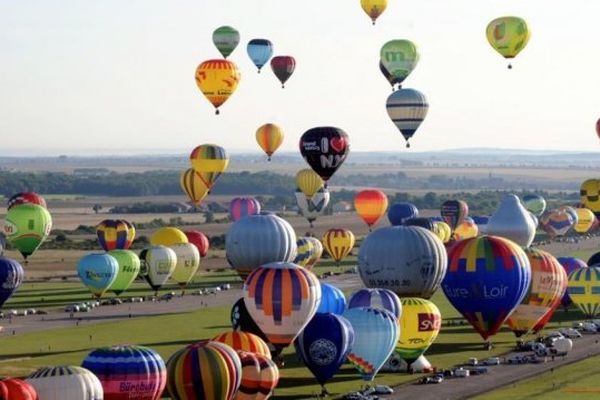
(584, 290)
(260, 377)
(205, 370)
(244, 341)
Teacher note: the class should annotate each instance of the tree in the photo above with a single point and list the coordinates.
(97, 207)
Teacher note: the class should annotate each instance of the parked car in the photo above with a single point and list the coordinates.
(42, 312)
(472, 361)
(378, 389)
(198, 292)
(22, 313)
(166, 296)
(478, 371)
(570, 333)
(518, 359)
(225, 286)
(31, 311)
(589, 327)
(492, 361)
(462, 373)
(72, 308)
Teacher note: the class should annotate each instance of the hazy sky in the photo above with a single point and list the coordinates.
(109, 75)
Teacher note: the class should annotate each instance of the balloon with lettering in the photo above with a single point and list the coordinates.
(225, 39)
(570, 264)
(420, 324)
(338, 243)
(98, 272)
(309, 182)
(168, 236)
(408, 260)
(454, 212)
(243, 206)
(260, 52)
(407, 108)
(209, 161)
(376, 332)
(487, 279)
(399, 57)
(26, 227)
(584, 290)
(128, 371)
(129, 268)
(157, 264)
(25, 198)
(217, 80)
(585, 220)
(512, 221)
(244, 341)
(269, 137)
(283, 67)
(324, 344)
(17, 389)
(391, 79)
(260, 377)
(191, 183)
(187, 264)
(333, 300)
(312, 207)
(400, 212)
(508, 36)
(535, 204)
(370, 205)
(11, 277)
(66, 382)
(200, 240)
(589, 193)
(376, 298)
(325, 149)
(547, 287)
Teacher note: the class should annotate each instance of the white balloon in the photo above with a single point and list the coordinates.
(512, 221)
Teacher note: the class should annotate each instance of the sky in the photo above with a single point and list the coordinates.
(114, 76)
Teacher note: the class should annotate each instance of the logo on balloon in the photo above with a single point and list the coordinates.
(9, 228)
(323, 352)
(310, 146)
(429, 322)
(486, 292)
(338, 144)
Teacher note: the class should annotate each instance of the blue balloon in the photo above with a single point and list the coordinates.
(332, 300)
(377, 298)
(260, 51)
(422, 222)
(97, 271)
(324, 344)
(11, 276)
(400, 212)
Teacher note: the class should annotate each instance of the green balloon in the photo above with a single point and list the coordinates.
(399, 57)
(226, 39)
(26, 226)
(129, 267)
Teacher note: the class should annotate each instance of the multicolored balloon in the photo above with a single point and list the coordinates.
(17, 389)
(407, 108)
(338, 243)
(129, 268)
(325, 149)
(225, 39)
(260, 52)
(66, 383)
(399, 58)
(370, 205)
(209, 161)
(11, 277)
(260, 377)
(25, 198)
(373, 8)
(244, 341)
(127, 372)
(26, 226)
(454, 212)
(465, 230)
(508, 36)
(283, 67)
(187, 264)
(243, 206)
(200, 240)
(242, 321)
(269, 137)
(333, 300)
(305, 249)
(420, 324)
(376, 298)
(192, 184)
(400, 212)
(584, 290)
(157, 263)
(98, 272)
(115, 234)
(556, 222)
(570, 264)
(168, 236)
(316, 254)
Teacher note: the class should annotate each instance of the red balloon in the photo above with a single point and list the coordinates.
(26, 198)
(200, 240)
(598, 127)
(283, 67)
(16, 389)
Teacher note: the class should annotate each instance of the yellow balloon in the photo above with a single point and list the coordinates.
(309, 182)
(442, 231)
(168, 236)
(338, 243)
(209, 161)
(373, 8)
(217, 80)
(508, 36)
(269, 137)
(193, 186)
(466, 230)
(420, 324)
(585, 220)
(590, 194)
(583, 290)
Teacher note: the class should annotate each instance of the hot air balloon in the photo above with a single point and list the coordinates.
(242, 321)
(260, 52)
(244, 341)
(168, 236)
(548, 285)
(407, 108)
(483, 221)
(200, 240)
(25, 198)
(391, 79)
(11, 277)
(425, 223)
(590, 195)
(193, 185)
(376, 298)
(333, 300)
(465, 230)
(2, 243)
(370, 205)
(157, 265)
(585, 220)
(225, 39)
(571, 211)
(305, 249)
(338, 243)
(556, 222)
(127, 372)
(217, 80)
(17, 389)
(209, 161)
(318, 252)
(373, 8)
(206, 370)
(535, 204)
(570, 264)
(487, 279)
(454, 212)
(283, 67)
(420, 324)
(26, 226)
(309, 182)
(442, 231)
(508, 36)
(512, 221)
(281, 298)
(399, 58)
(115, 234)
(188, 262)
(243, 206)
(313, 207)
(257, 240)
(400, 212)
(260, 377)
(66, 383)
(376, 332)
(584, 290)
(325, 149)
(129, 268)
(98, 272)
(408, 260)
(269, 137)
(324, 344)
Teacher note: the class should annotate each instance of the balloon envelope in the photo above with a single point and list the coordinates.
(399, 57)
(376, 298)
(115, 234)
(333, 300)
(260, 51)
(98, 272)
(192, 184)
(217, 80)
(420, 324)
(373, 8)
(200, 240)
(283, 67)
(556, 222)
(209, 161)
(512, 221)
(407, 108)
(129, 268)
(226, 39)
(26, 226)
(243, 206)
(590, 195)
(570, 264)
(535, 204)
(338, 243)
(260, 377)
(157, 263)
(168, 236)
(11, 277)
(400, 212)
(312, 207)
(325, 149)
(508, 35)
(583, 290)
(370, 205)
(309, 182)
(187, 264)
(66, 383)
(17, 389)
(244, 341)
(454, 212)
(269, 137)
(25, 198)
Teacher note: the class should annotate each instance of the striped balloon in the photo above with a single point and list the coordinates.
(333, 300)
(66, 383)
(570, 264)
(281, 298)
(338, 243)
(556, 222)
(584, 290)
(209, 161)
(316, 255)
(407, 108)
(269, 137)
(115, 234)
(548, 285)
(383, 299)
(205, 370)
(305, 248)
(487, 279)
(192, 184)
(244, 341)
(370, 205)
(260, 377)
(128, 372)
(17, 389)
(242, 207)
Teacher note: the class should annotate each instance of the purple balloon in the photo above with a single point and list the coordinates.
(376, 298)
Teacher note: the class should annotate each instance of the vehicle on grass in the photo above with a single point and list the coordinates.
(492, 361)
(570, 333)
(42, 312)
(518, 359)
(378, 389)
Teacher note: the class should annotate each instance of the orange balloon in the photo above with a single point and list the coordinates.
(371, 205)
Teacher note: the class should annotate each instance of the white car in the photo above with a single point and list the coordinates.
(472, 361)
(570, 333)
(492, 361)
(462, 373)
(589, 327)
